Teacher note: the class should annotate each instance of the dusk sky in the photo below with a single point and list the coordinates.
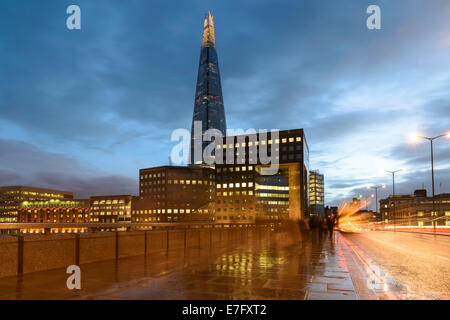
(83, 110)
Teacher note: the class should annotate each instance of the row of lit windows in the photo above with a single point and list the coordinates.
(273, 195)
(110, 207)
(163, 211)
(174, 174)
(263, 142)
(33, 193)
(234, 185)
(205, 182)
(200, 182)
(235, 169)
(236, 201)
(54, 230)
(235, 209)
(272, 202)
(269, 187)
(238, 217)
(108, 201)
(54, 210)
(60, 215)
(154, 175)
(109, 213)
(237, 193)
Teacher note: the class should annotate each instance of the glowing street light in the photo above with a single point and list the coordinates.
(415, 137)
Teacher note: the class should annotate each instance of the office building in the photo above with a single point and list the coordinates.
(244, 193)
(11, 197)
(316, 194)
(110, 209)
(54, 211)
(416, 209)
(174, 194)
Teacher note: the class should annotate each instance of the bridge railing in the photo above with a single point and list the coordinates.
(21, 254)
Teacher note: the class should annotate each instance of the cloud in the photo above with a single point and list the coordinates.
(24, 164)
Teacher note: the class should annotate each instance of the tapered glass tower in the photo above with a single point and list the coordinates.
(208, 106)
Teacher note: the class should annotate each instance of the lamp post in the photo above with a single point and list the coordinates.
(393, 189)
(376, 194)
(431, 139)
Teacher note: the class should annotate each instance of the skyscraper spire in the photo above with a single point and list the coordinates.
(209, 37)
(208, 105)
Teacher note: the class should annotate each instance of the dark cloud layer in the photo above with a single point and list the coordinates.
(24, 164)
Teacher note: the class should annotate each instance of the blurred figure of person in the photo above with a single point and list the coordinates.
(330, 225)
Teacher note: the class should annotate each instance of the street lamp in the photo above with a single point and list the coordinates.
(376, 194)
(393, 189)
(415, 137)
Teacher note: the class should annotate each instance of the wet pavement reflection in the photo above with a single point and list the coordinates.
(280, 265)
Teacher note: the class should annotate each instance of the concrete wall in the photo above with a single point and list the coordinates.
(192, 238)
(48, 252)
(131, 244)
(156, 241)
(205, 237)
(25, 254)
(8, 256)
(97, 247)
(176, 239)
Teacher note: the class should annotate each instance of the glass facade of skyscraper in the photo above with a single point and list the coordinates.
(208, 107)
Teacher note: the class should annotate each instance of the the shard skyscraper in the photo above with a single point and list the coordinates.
(208, 107)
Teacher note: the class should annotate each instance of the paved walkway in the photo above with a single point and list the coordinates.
(280, 266)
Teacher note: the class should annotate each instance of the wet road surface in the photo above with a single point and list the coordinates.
(415, 266)
(280, 266)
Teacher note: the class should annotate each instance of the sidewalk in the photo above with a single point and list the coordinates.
(278, 266)
(342, 277)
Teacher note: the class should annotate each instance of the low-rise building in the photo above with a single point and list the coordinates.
(175, 194)
(11, 197)
(110, 209)
(416, 209)
(54, 211)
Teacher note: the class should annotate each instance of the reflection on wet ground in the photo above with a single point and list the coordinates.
(279, 266)
(407, 265)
